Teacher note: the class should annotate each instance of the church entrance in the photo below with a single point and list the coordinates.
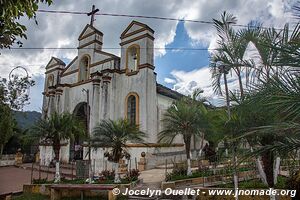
(76, 145)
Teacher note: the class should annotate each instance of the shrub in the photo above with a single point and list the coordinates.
(40, 181)
(294, 183)
(132, 175)
(107, 175)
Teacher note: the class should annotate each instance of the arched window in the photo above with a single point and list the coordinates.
(133, 58)
(50, 81)
(83, 69)
(132, 108)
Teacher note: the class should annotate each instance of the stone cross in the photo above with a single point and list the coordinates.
(92, 14)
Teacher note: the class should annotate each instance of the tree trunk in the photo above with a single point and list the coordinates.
(276, 169)
(1, 150)
(261, 172)
(188, 155)
(235, 175)
(240, 83)
(57, 173)
(227, 95)
(117, 176)
(56, 148)
(268, 159)
(201, 145)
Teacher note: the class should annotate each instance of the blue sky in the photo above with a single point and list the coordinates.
(186, 60)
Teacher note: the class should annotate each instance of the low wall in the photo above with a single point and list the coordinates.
(4, 163)
(45, 189)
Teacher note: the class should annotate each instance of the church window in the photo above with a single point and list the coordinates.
(83, 69)
(133, 58)
(132, 107)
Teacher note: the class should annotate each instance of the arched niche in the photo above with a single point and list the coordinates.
(83, 71)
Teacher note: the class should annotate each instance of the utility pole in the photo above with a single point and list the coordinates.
(88, 131)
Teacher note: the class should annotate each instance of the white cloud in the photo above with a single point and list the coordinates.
(169, 80)
(187, 81)
(62, 30)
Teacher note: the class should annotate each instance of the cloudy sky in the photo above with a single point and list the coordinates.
(178, 69)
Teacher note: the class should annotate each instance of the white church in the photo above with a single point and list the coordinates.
(112, 87)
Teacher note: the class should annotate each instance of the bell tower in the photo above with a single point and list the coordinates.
(137, 44)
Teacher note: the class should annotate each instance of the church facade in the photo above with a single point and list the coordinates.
(98, 85)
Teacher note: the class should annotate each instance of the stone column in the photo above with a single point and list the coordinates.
(51, 107)
(96, 79)
(105, 96)
(58, 94)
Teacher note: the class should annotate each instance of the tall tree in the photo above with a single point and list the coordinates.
(228, 57)
(116, 135)
(7, 125)
(13, 96)
(10, 13)
(187, 118)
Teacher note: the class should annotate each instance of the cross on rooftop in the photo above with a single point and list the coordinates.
(92, 14)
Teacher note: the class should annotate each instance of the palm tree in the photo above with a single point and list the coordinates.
(229, 54)
(116, 135)
(56, 128)
(186, 117)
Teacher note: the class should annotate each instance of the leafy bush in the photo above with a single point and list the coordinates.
(132, 175)
(40, 181)
(294, 184)
(106, 175)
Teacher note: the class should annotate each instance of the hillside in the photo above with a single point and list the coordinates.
(26, 119)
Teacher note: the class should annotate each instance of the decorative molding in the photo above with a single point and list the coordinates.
(80, 83)
(133, 33)
(70, 72)
(106, 53)
(101, 62)
(58, 62)
(137, 38)
(146, 65)
(52, 70)
(139, 24)
(89, 26)
(89, 43)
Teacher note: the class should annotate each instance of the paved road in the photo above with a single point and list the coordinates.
(12, 178)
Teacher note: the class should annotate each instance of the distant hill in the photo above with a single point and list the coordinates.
(26, 119)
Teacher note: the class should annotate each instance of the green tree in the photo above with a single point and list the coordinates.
(10, 13)
(13, 96)
(228, 57)
(14, 92)
(277, 100)
(7, 125)
(116, 135)
(56, 128)
(187, 118)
